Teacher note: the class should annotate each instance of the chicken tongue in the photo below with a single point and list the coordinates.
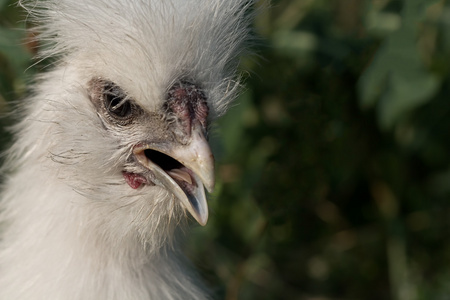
(181, 175)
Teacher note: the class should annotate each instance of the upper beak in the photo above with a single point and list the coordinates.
(186, 181)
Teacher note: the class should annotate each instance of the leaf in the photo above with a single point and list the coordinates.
(397, 80)
(3, 3)
(11, 47)
(405, 92)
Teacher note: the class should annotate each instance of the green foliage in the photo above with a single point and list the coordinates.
(3, 3)
(335, 185)
(333, 166)
(398, 72)
(14, 57)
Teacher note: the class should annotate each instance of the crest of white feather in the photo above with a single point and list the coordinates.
(70, 228)
(159, 41)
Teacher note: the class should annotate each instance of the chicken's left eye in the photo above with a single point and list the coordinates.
(117, 106)
(116, 102)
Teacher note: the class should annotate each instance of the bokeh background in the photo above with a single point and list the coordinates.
(333, 166)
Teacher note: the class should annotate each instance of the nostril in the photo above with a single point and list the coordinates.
(164, 161)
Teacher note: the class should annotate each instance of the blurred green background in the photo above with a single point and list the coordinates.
(334, 165)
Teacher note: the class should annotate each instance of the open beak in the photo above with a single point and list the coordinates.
(184, 170)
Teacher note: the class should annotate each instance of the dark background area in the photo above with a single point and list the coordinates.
(333, 166)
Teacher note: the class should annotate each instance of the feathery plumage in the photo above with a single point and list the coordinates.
(112, 147)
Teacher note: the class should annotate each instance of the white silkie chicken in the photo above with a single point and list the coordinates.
(111, 150)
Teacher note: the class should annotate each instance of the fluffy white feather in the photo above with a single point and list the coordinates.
(71, 227)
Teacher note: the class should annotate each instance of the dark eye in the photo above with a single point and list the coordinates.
(116, 102)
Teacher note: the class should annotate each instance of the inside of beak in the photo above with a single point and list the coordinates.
(171, 166)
